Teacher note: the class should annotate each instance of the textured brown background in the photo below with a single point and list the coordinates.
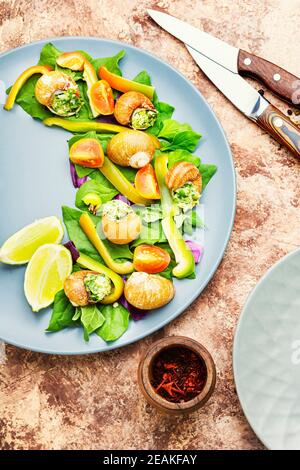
(49, 402)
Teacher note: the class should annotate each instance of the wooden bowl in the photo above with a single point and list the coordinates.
(145, 375)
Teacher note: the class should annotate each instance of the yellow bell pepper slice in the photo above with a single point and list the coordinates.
(21, 80)
(121, 183)
(90, 77)
(89, 263)
(83, 126)
(183, 255)
(89, 229)
(123, 84)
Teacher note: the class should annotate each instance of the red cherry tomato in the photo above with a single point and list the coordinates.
(146, 183)
(87, 152)
(102, 97)
(150, 259)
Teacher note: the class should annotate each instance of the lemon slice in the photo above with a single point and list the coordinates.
(20, 247)
(45, 275)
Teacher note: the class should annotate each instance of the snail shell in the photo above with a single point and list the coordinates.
(51, 83)
(128, 103)
(184, 172)
(131, 148)
(122, 231)
(148, 291)
(75, 289)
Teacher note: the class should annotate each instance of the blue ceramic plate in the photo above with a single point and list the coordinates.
(35, 182)
(266, 356)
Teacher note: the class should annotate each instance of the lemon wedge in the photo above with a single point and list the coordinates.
(20, 247)
(45, 274)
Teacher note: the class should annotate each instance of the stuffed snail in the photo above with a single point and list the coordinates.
(59, 92)
(134, 109)
(148, 291)
(120, 224)
(132, 148)
(87, 287)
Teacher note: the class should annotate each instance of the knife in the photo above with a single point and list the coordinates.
(223, 63)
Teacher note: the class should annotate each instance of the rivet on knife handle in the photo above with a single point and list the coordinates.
(281, 128)
(278, 80)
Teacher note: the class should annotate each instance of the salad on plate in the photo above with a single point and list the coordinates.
(138, 185)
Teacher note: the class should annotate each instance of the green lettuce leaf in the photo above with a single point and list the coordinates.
(116, 322)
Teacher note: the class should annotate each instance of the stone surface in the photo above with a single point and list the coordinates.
(50, 402)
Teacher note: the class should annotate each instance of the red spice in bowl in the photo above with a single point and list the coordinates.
(178, 374)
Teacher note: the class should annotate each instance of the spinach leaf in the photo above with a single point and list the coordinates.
(171, 128)
(116, 322)
(167, 273)
(165, 110)
(111, 63)
(182, 156)
(62, 313)
(100, 178)
(91, 319)
(77, 314)
(92, 186)
(83, 171)
(71, 220)
(150, 234)
(49, 54)
(186, 140)
(103, 139)
(128, 172)
(26, 99)
(207, 171)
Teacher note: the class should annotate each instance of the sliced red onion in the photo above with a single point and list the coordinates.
(196, 249)
(136, 313)
(120, 197)
(77, 182)
(108, 119)
(73, 250)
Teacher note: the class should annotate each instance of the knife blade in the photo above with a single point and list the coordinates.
(213, 48)
(251, 103)
(238, 61)
(234, 87)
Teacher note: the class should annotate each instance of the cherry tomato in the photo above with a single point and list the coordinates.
(102, 97)
(71, 60)
(150, 259)
(146, 183)
(87, 152)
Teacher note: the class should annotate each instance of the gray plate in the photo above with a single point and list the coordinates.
(35, 182)
(266, 356)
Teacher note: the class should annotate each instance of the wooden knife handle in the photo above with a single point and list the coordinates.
(281, 128)
(278, 80)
